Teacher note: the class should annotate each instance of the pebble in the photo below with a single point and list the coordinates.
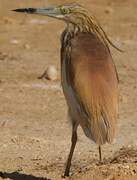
(126, 167)
(14, 41)
(108, 10)
(51, 73)
(27, 46)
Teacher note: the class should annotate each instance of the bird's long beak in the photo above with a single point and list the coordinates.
(51, 11)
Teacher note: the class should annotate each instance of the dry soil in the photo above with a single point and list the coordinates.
(34, 129)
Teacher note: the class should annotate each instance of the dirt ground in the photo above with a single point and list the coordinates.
(34, 129)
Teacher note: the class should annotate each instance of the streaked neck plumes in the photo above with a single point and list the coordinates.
(80, 20)
(84, 23)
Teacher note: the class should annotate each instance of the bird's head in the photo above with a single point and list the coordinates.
(70, 13)
(74, 14)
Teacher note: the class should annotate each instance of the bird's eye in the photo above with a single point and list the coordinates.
(64, 11)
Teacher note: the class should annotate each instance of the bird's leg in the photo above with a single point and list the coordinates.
(100, 154)
(73, 144)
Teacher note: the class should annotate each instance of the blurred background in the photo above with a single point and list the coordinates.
(34, 128)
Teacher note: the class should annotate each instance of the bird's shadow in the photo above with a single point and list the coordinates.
(20, 176)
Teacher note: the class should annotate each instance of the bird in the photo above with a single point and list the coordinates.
(89, 76)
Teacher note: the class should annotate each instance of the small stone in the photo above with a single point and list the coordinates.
(126, 167)
(50, 73)
(108, 10)
(27, 46)
(5, 145)
(132, 173)
(14, 41)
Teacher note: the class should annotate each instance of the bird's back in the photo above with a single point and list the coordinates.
(92, 76)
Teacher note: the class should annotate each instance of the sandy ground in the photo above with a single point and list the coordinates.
(34, 129)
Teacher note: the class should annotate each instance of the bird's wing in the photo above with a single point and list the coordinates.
(94, 81)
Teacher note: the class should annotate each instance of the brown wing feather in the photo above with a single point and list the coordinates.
(94, 81)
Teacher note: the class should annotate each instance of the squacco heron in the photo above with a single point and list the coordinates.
(88, 74)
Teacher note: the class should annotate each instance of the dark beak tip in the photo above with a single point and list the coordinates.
(16, 10)
(19, 10)
(25, 10)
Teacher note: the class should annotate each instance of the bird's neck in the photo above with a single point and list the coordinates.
(74, 29)
(91, 28)
(71, 31)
